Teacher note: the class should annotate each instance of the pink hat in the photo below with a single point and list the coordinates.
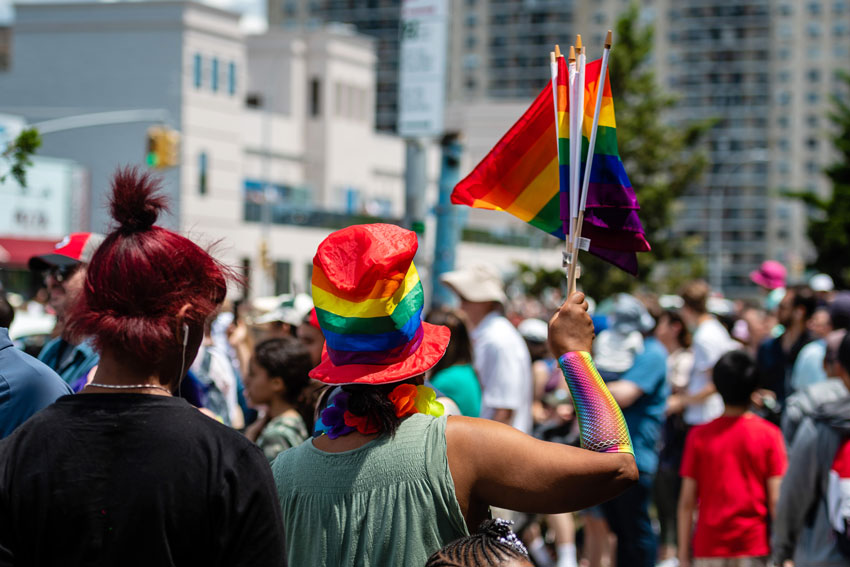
(771, 275)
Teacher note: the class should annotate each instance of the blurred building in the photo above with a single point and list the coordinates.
(764, 69)
(277, 138)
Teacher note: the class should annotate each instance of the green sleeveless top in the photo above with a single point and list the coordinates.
(389, 502)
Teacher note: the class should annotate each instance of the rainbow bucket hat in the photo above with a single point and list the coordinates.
(369, 302)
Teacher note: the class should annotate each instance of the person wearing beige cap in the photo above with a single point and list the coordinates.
(501, 357)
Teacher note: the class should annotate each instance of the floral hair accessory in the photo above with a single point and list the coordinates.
(335, 420)
(331, 421)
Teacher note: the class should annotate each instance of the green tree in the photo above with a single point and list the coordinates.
(661, 159)
(18, 154)
(829, 225)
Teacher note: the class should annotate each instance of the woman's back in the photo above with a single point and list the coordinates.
(389, 502)
(134, 479)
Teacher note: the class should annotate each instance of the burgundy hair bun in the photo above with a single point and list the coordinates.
(136, 202)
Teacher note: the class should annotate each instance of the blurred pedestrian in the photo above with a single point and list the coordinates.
(278, 380)
(775, 358)
(454, 375)
(809, 366)
(641, 392)
(731, 472)
(214, 369)
(501, 358)
(804, 402)
(803, 531)
(65, 271)
(26, 384)
(671, 332)
(124, 473)
(310, 334)
(700, 401)
(386, 482)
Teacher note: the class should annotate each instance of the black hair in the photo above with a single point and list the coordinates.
(844, 353)
(494, 543)
(735, 377)
(374, 401)
(804, 297)
(7, 313)
(459, 349)
(684, 336)
(289, 360)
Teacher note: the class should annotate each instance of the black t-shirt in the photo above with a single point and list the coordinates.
(135, 479)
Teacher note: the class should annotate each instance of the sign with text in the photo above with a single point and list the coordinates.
(42, 209)
(422, 67)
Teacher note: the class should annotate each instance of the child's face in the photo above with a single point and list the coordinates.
(259, 388)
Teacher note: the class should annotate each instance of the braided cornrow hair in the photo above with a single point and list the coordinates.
(494, 543)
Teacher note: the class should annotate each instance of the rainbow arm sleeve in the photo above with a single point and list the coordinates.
(601, 423)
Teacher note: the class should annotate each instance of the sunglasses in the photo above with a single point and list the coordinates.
(62, 273)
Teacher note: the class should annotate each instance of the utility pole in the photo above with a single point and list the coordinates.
(448, 225)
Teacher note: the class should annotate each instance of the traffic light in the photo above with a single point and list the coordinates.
(163, 147)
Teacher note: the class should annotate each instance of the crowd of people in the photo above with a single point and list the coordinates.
(164, 425)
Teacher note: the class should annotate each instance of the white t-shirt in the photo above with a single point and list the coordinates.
(503, 365)
(711, 341)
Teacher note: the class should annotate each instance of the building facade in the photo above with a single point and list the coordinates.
(764, 70)
(278, 145)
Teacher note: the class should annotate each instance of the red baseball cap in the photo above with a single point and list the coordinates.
(76, 248)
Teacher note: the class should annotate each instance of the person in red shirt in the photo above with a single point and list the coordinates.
(731, 471)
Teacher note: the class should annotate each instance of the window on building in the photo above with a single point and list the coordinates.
(812, 121)
(814, 8)
(812, 96)
(471, 41)
(253, 100)
(783, 98)
(214, 75)
(203, 170)
(812, 167)
(813, 75)
(282, 277)
(315, 98)
(198, 70)
(839, 6)
(812, 143)
(231, 78)
(814, 30)
(786, 10)
(839, 29)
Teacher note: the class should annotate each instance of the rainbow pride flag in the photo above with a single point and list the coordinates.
(378, 322)
(521, 175)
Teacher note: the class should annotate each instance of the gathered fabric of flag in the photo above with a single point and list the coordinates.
(521, 174)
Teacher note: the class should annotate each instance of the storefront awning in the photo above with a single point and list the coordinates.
(16, 252)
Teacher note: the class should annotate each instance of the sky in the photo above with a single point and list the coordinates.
(253, 11)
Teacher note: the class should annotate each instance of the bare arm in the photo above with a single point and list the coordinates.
(773, 485)
(625, 392)
(494, 464)
(685, 520)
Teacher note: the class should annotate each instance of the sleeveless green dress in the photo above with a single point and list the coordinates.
(389, 502)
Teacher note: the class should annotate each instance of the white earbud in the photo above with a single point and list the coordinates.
(185, 335)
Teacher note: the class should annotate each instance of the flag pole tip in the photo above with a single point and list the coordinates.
(578, 43)
(608, 39)
(557, 50)
(551, 57)
(572, 54)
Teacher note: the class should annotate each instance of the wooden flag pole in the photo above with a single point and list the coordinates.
(600, 87)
